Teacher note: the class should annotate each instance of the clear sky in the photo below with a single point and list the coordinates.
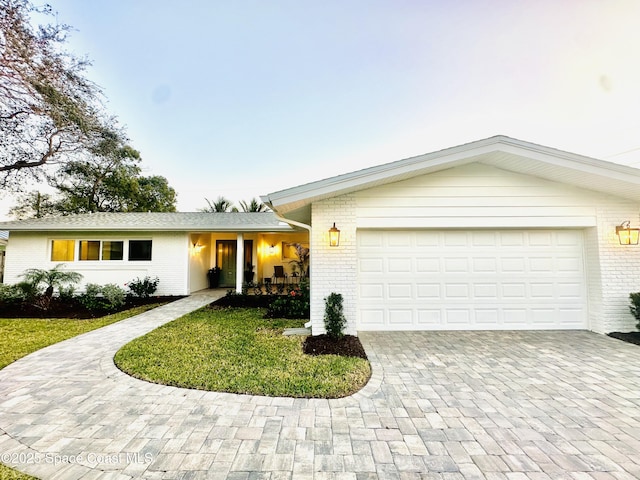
(243, 98)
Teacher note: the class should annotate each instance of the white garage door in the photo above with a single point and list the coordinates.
(481, 280)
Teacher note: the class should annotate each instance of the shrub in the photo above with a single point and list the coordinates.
(295, 304)
(113, 296)
(67, 294)
(334, 320)
(90, 298)
(11, 294)
(143, 288)
(635, 307)
(108, 297)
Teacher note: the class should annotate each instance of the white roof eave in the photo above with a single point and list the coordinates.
(502, 152)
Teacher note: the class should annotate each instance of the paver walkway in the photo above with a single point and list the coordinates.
(440, 405)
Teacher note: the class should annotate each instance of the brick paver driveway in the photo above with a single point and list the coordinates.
(467, 405)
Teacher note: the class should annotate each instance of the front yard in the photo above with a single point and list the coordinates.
(239, 351)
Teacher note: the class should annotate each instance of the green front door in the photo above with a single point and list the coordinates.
(226, 260)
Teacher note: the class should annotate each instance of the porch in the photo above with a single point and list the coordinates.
(246, 257)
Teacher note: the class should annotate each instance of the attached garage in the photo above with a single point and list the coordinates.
(491, 235)
(471, 280)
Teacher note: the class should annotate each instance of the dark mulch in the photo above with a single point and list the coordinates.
(631, 337)
(59, 309)
(243, 301)
(347, 346)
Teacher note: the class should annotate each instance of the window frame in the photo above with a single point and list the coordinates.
(150, 241)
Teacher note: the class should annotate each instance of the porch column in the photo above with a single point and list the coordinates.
(239, 262)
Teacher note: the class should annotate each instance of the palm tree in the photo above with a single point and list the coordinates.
(51, 278)
(220, 205)
(253, 206)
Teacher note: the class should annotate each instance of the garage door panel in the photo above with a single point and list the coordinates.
(484, 265)
(456, 265)
(399, 265)
(485, 291)
(397, 291)
(427, 265)
(429, 317)
(428, 291)
(511, 279)
(487, 317)
(400, 317)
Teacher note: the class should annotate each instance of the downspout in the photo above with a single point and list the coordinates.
(297, 224)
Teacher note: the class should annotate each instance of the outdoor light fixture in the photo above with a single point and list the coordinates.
(627, 235)
(197, 247)
(334, 236)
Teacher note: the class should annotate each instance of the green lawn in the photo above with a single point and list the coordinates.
(7, 473)
(21, 336)
(238, 351)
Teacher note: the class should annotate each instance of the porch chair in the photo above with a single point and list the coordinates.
(278, 273)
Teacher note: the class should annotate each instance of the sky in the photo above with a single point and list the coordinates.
(244, 98)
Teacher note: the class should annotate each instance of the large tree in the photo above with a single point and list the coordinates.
(48, 109)
(107, 179)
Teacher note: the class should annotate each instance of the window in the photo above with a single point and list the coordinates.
(101, 250)
(139, 250)
(112, 250)
(89, 250)
(62, 250)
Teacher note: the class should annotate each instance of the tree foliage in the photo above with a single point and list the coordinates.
(107, 180)
(222, 204)
(48, 109)
(253, 206)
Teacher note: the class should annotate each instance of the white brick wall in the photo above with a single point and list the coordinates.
(618, 269)
(333, 269)
(169, 259)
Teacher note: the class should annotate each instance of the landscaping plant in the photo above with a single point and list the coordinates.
(143, 288)
(107, 298)
(334, 320)
(55, 277)
(635, 307)
(295, 304)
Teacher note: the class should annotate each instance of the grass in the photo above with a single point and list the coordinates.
(7, 473)
(21, 336)
(237, 351)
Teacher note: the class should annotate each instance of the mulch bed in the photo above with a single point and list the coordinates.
(630, 337)
(347, 346)
(59, 309)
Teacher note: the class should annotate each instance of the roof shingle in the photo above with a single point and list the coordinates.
(151, 221)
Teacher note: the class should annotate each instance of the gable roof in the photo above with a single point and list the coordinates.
(499, 151)
(154, 221)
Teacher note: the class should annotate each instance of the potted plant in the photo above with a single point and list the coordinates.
(248, 273)
(214, 277)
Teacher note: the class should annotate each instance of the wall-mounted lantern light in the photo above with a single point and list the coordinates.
(272, 249)
(627, 235)
(197, 247)
(334, 236)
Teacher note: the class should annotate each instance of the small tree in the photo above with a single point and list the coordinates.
(334, 320)
(52, 278)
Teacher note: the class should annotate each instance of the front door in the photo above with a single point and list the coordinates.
(226, 260)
